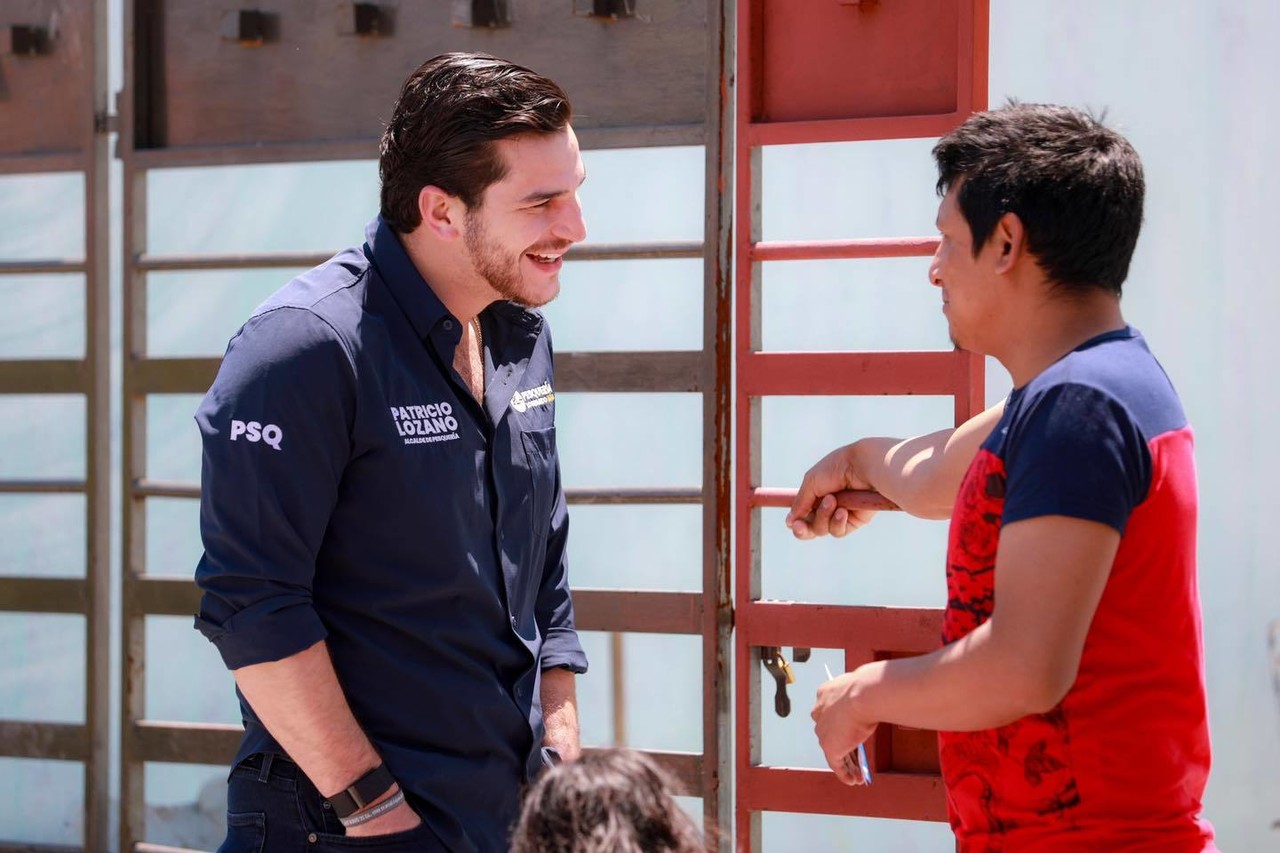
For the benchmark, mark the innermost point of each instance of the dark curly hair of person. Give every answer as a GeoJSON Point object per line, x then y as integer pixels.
{"type": "Point", "coordinates": [610, 801]}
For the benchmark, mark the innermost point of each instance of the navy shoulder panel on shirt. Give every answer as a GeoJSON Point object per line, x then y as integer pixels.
{"type": "Point", "coordinates": [1075, 440]}
{"type": "Point", "coordinates": [1121, 366]}
{"type": "Point", "coordinates": [1073, 450]}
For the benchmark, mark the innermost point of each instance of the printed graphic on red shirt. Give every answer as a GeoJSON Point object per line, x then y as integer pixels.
{"type": "Point", "coordinates": [971, 552]}
{"type": "Point", "coordinates": [999, 778]}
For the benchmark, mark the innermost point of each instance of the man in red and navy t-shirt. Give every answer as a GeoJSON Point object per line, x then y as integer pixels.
{"type": "Point", "coordinates": [1069, 693]}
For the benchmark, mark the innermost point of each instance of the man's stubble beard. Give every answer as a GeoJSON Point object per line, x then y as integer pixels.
{"type": "Point", "coordinates": [489, 262]}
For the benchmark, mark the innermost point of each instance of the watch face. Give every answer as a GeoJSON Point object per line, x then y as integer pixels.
{"type": "Point", "coordinates": [363, 791]}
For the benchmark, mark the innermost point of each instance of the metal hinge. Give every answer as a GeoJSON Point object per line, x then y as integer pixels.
{"type": "Point", "coordinates": [105, 122]}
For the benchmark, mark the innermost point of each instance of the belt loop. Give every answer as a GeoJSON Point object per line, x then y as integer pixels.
{"type": "Point", "coordinates": [265, 773]}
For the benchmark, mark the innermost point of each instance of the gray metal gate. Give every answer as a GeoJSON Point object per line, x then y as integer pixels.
{"type": "Point", "coordinates": [297, 81]}
{"type": "Point", "coordinates": [55, 68]}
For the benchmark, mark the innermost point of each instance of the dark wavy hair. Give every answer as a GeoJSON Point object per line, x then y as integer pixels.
{"type": "Point", "coordinates": [611, 801]}
{"type": "Point", "coordinates": [1076, 185]}
{"type": "Point", "coordinates": [449, 113]}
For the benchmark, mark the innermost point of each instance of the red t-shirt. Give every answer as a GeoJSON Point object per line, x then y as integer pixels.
{"type": "Point", "coordinates": [1121, 763]}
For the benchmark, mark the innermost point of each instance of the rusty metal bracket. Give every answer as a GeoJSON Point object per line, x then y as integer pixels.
{"type": "Point", "coordinates": [614, 9]}
{"type": "Point", "coordinates": [481, 13]}
{"type": "Point", "coordinates": [28, 40]}
{"type": "Point", "coordinates": [367, 20]}
{"type": "Point", "coordinates": [250, 27]}
{"type": "Point", "coordinates": [104, 122]}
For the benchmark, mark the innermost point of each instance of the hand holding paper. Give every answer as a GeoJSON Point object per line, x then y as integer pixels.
{"type": "Point", "coordinates": [855, 762]}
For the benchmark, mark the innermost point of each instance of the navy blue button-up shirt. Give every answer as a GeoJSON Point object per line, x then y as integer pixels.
{"type": "Point", "coordinates": [354, 491]}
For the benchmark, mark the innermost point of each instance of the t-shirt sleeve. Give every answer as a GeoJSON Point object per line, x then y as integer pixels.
{"type": "Point", "coordinates": [1076, 451]}
{"type": "Point", "coordinates": [275, 429]}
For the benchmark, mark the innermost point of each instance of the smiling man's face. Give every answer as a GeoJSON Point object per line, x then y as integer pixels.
{"type": "Point", "coordinates": [517, 236]}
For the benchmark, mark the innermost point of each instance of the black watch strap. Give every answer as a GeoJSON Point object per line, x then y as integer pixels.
{"type": "Point", "coordinates": [363, 791]}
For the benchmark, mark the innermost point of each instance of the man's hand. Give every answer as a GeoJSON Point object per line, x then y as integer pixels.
{"type": "Point", "coordinates": [840, 722]}
{"type": "Point", "coordinates": [814, 511]}
{"type": "Point", "coordinates": [400, 819]}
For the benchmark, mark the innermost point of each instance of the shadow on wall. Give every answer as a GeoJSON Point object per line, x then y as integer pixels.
{"type": "Point", "coordinates": [1273, 642]}
{"type": "Point", "coordinates": [196, 826]}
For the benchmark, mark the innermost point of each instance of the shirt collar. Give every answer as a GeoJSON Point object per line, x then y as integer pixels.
{"type": "Point", "coordinates": [1124, 334]}
{"type": "Point", "coordinates": [410, 291]}
{"type": "Point", "coordinates": [414, 296]}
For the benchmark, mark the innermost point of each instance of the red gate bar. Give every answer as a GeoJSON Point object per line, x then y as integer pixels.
{"type": "Point", "coordinates": [762, 374]}
{"type": "Point", "coordinates": [830, 626]}
{"type": "Point", "coordinates": [900, 796]}
{"type": "Point", "coordinates": [830, 250]}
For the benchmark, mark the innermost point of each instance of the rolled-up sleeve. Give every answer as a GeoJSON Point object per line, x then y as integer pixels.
{"type": "Point", "coordinates": [560, 646]}
{"type": "Point", "coordinates": [276, 429]}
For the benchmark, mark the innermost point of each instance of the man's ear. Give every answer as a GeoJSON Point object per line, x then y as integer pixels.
{"type": "Point", "coordinates": [441, 212]}
{"type": "Point", "coordinates": [1010, 241]}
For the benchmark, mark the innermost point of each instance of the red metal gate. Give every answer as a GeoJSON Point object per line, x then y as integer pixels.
{"type": "Point", "coordinates": [837, 70]}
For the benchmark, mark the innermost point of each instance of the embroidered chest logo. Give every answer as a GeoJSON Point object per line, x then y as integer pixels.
{"type": "Point", "coordinates": [524, 400]}
{"type": "Point", "coordinates": [426, 424]}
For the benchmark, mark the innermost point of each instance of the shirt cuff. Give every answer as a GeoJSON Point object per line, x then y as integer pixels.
{"type": "Point", "coordinates": [561, 648]}
{"type": "Point", "coordinates": [264, 632]}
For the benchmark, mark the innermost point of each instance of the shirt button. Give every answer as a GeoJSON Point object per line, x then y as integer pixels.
{"type": "Point", "coordinates": [448, 325]}
{"type": "Point", "coordinates": [324, 804]}
{"type": "Point", "coordinates": [313, 838]}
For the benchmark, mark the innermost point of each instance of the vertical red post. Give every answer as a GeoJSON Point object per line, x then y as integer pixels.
{"type": "Point", "coordinates": [827, 72]}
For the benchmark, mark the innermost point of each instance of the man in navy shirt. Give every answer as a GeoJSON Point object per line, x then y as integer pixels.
{"type": "Point", "coordinates": [382, 513]}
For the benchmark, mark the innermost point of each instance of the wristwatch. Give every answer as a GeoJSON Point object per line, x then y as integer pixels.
{"type": "Point", "coordinates": [361, 792]}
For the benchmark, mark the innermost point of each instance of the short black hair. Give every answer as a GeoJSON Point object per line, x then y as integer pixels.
{"type": "Point", "coordinates": [1076, 185]}
{"type": "Point", "coordinates": [450, 112]}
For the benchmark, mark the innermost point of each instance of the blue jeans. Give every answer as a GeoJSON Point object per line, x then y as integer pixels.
{"type": "Point", "coordinates": [272, 807]}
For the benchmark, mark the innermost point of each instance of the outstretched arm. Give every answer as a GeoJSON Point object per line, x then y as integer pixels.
{"type": "Point", "coordinates": [921, 475]}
